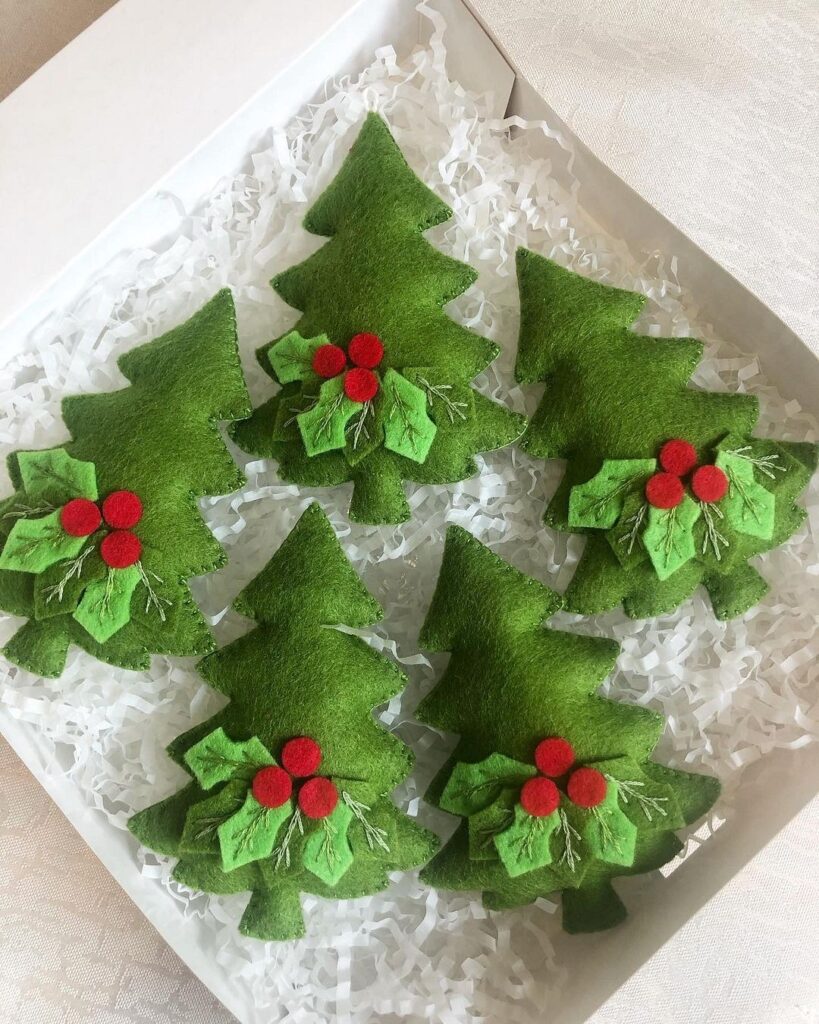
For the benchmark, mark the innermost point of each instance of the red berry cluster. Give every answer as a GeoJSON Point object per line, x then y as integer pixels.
{"type": "Point", "coordinates": [300, 757]}
{"type": "Point", "coordinates": [554, 757]}
{"type": "Point", "coordinates": [365, 352]}
{"type": "Point", "coordinates": [121, 510]}
{"type": "Point", "coordinates": [677, 459]}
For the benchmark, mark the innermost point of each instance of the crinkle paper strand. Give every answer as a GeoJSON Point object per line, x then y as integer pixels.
{"type": "Point", "coordinates": [732, 692]}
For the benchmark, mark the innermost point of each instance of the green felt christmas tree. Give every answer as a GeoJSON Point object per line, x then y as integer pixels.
{"type": "Point", "coordinates": [292, 780]}
{"type": "Point", "coordinates": [553, 782]}
{"type": "Point", "coordinates": [376, 378]}
{"type": "Point", "coordinates": [103, 533]}
{"type": "Point", "coordinates": [665, 479]}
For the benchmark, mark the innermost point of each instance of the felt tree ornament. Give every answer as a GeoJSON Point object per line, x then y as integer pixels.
{"type": "Point", "coordinates": [103, 533]}
{"type": "Point", "coordinates": [375, 377]}
{"type": "Point", "coordinates": [292, 779]}
{"type": "Point", "coordinates": [665, 480]}
{"type": "Point", "coordinates": [553, 782]}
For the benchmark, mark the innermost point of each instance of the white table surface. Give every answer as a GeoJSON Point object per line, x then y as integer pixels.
{"type": "Point", "coordinates": [709, 110]}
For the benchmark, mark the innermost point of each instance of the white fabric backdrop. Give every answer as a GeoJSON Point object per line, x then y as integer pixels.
{"type": "Point", "coordinates": [709, 110]}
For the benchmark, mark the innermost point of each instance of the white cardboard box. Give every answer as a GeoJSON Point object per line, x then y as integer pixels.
{"type": "Point", "coordinates": [169, 95]}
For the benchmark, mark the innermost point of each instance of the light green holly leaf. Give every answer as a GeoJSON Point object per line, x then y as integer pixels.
{"type": "Point", "coordinates": [250, 834]}
{"type": "Point", "coordinates": [748, 507]}
{"type": "Point", "coordinates": [471, 787]}
{"type": "Point", "coordinates": [54, 476]}
{"type": "Point", "coordinates": [216, 758]}
{"type": "Point", "coordinates": [106, 604]}
{"type": "Point", "coordinates": [486, 824]}
{"type": "Point", "coordinates": [598, 502]}
{"type": "Point", "coordinates": [408, 430]}
{"type": "Point", "coordinates": [324, 427]}
{"type": "Point", "coordinates": [669, 536]}
{"type": "Point", "coordinates": [200, 834]}
{"type": "Point", "coordinates": [327, 852]}
{"type": "Point", "coordinates": [449, 402]}
{"type": "Point", "coordinates": [526, 844]}
{"type": "Point", "coordinates": [35, 544]}
{"type": "Point", "coordinates": [609, 834]}
{"type": "Point", "coordinates": [292, 356]}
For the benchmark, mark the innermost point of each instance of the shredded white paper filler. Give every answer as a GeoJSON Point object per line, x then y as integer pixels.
{"type": "Point", "coordinates": [731, 692]}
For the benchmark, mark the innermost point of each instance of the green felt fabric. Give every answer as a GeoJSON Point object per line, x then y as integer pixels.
{"type": "Point", "coordinates": [105, 606]}
{"type": "Point", "coordinates": [323, 427]}
{"type": "Point", "coordinates": [612, 394]}
{"type": "Point", "coordinates": [378, 274]}
{"type": "Point", "coordinates": [250, 834]}
{"type": "Point", "coordinates": [217, 758]}
{"type": "Point", "coordinates": [158, 436]}
{"type": "Point", "coordinates": [293, 675]}
{"type": "Point", "coordinates": [526, 844]}
{"type": "Point", "coordinates": [749, 507]}
{"type": "Point", "coordinates": [327, 852]}
{"type": "Point", "coordinates": [600, 501]}
{"type": "Point", "coordinates": [54, 476]}
{"type": "Point", "coordinates": [408, 428]}
{"type": "Point", "coordinates": [35, 544]}
{"type": "Point", "coordinates": [510, 683]}
{"type": "Point", "coordinates": [669, 537]}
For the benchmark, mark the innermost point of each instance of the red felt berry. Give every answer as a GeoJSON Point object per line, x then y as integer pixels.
{"type": "Point", "coordinates": [709, 483]}
{"type": "Point", "coordinates": [122, 510]}
{"type": "Point", "coordinates": [120, 548]}
{"type": "Point", "coordinates": [360, 385]}
{"type": "Point", "coordinates": [80, 517]}
{"type": "Point", "coordinates": [272, 786]}
{"type": "Point", "coordinates": [539, 796]}
{"type": "Point", "coordinates": [301, 756]}
{"type": "Point", "coordinates": [366, 350]}
{"type": "Point", "coordinates": [664, 490]}
{"type": "Point", "coordinates": [318, 797]}
{"type": "Point", "coordinates": [587, 787]}
{"type": "Point", "coordinates": [329, 360]}
{"type": "Point", "coordinates": [678, 457]}
{"type": "Point", "coordinates": [554, 756]}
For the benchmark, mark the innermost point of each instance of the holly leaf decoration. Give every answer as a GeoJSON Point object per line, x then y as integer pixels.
{"type": "Point", "coordinates": [598, 502]}
{"type": "Point", "coordinates": [323, 428]}
{"type": "Point", "coordinates": [365, 431]}
{"type": "Point", "coordinates": [216, 758]}
{"type": "Point", "coordinates": [35, 544]}
{"type": "Point", "coordinates": [526, 844]}
{"type": "Point", "coordinates": [200, 834]}
{"type": "Point", "coordinates": [669, 536]}
{"type": "Point", "coordinates": [408, 430]}
{"type": "Point", "coordinates": [471, 787]}
{"type": "Point", "coordinates": [292, 356]}
{"type": "Point", "coordinates": [450, 402]}
{"type": "Point", "coordinates": [55, 477]}
{"type": "Point", "coordinates": [608, 831]}
{"type": "Point", "coordinates": [625, 537]}
{"type": "Point", "coordinates": [485, 825]}
{"type": "Point", "coordinates": [59, 588]}
{"type": "Point", "coordinates": [327, 852]}
{"type": "Point", "coordinates": [250, 833]}
{"type": "Point", "coordinates": [645, 800]}
{"type": "Point", "coordinates": [748, 507]}
{"type": "Point", "coordinates": [106, 604]}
